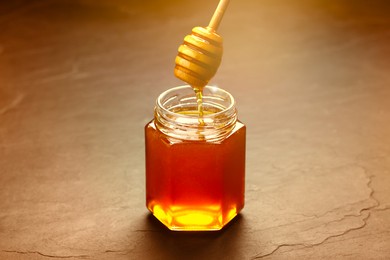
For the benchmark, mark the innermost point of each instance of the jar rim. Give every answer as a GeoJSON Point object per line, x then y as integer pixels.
{"type": "Point", "coordinates": [212, 88]}
{"type": "Point", "coordinates": [209, 127]}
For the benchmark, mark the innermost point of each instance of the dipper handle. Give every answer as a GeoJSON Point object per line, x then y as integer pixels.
{"type": "Point", "coordinates": [218, 14]}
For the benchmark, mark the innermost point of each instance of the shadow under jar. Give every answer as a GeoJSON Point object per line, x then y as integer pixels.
{"type": "Point", "coordinates": [195, 166]}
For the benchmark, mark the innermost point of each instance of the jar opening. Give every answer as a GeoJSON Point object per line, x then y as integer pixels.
{"type": "Point", "coordinates": [215, 101]}
{"type": "Point", "coordinates": [177, 115]}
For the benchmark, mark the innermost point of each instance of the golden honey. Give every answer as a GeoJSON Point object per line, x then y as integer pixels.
{"type": "Point", "coordinates": [195, 171]}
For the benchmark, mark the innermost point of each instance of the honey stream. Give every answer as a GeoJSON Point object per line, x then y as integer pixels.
{"type": "Point", "coordinates": [199, 101]}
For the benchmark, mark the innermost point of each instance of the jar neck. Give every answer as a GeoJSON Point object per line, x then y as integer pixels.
{"type": "Point", "coordinates": [177, 116]}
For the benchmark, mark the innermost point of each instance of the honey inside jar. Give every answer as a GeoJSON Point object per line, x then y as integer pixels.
{"type": "Point", "coordinates": [195, 172]}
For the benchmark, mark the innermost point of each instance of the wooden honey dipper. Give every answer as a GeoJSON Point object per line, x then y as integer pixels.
{"type": "Point", "coordinates": [200, 55]}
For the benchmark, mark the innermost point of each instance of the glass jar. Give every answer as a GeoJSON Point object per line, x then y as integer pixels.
{"type": "Point", "coordinates": [195, 166]}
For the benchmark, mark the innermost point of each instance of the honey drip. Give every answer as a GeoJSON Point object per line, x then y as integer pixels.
{"type": "Point", "coordinates": [199, 101]}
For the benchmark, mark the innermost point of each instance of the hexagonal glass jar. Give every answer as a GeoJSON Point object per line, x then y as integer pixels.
{"type": "Point", "coordinates": [195, 166]}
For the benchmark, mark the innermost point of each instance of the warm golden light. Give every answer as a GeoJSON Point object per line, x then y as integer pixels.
{"type": "Point", "coordinates": [208, 217]}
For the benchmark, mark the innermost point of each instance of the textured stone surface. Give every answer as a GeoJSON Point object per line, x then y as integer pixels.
{"type": "Point", "coordinates": [78, 80]}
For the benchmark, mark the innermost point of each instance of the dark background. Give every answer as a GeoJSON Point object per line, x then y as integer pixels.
{"type": "Point", "coordinates": [78, 81]}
